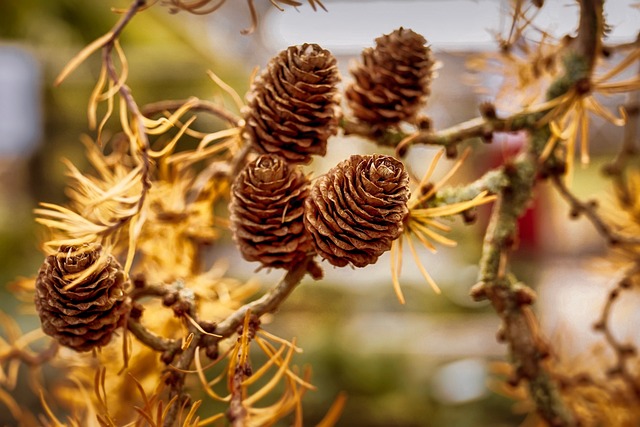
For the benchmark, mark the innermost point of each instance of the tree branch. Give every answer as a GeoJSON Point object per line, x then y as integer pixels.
{"type": "Point", "coordinates": [510, 299]}
{"type": "Point", "coordinates": [269, 302]}
{"type": "Point", "coordinates": [623, 352]}
{"type": "Point", "coordinates": [588, 209]}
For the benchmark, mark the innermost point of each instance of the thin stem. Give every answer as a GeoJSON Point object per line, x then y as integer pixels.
{"type": "Point", "coordinates": [268, 303]}
{"type": "Point", "coordinates": [479, 127]}
{"type": "Point", "coordinates": [589, 210]}
{"type": "Point", "coordinates": [623, 352]}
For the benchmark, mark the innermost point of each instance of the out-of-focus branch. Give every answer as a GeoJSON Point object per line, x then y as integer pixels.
{"type": "Point", "coordinates": [616, 168]}
{"type": "Point", "coordinates": [623, 351]}
{"type": "Point", "coordinates": [589, 210]}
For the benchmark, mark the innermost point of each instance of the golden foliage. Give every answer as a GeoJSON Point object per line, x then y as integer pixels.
{"type": "Point", "coordinates": [422, 222]}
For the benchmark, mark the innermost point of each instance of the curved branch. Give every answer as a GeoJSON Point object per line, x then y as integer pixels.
{"type": "Point", "coordinates": [269, 302]}
{"type": "Point", "coordinates": [588, 209]}
{"type": "Point", "coordinates": [150, 339]}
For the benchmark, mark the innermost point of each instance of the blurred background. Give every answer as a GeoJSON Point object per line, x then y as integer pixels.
{"type": "Point", "coordinates": [427, 363]}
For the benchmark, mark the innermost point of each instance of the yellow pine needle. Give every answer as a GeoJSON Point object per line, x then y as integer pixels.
{"type": "Point", "coordinates": [140, 389]}
{"type": "Point", "coordinates": [78, 278]}
{"type": "Point", "coordinates": [429, 172]}
{"type": "Point", "coordinates": [135, 228]}
{"type": "Point", "coordinates": [96, 158]}
{"type": "Point", "coordinates": [189, 418]}
{"type": "Point", "coordinates": [424, 197]}
{"type": "Point", "coordinates": [190, 157]}
{"type": "Point", "coordinates": [449, 174]}
{"type": "Point", "coordinates": [225, 133]}
{"type": "Point", "coordinates": [65, 218]}
{"type": "Point", "coordinates": [584, 136]}
{"type": "Point", "coordinates": [396, 266]}
{"type": "Point", "coordinates": [171, 145]}
{"type": "Point", "coordinates": [55, 244]}
{"type": "Point", "coordinates": [161, 415]}
{"type": "Point", "coordinates": [426, 231]}
{"type": "Point", "coordinates": [619, 67]}
{"type": "Point", "coordinates": [148, 418]}
{"type": "Point", "coordinates": [163, 124]}
{"type": "Point", "coordinates": [264, 368]}
{"type": "Point", "coordinates": [280, 340]}
{"type": "Point", "coordinates": [239, 354]}
{"type": "Point", "coordinates": [557, 107]}
{"type": "Point", "coordinates": [264, 391]}
{"type": "Point", "coordinates": [81, 56]}
{"type": "Point", "coordinates": [72, 225]}
{"type": "Point", "coordinates": [199, 328]}
{"type": "Point", "coordinates": [124, 73]}
{"type": "Point", "coordinates": [597, 108]}
{"type": "Point", "coordinates": [619, 87]}
{"type": "Point", "coordinates": [97, 195]}
{"type": "Point", "coordinates": [95, 95]}
{"type": "Point", "coordinates": [56, 422]}
{"type": "Point", "coordinates": [206, 385]}
{"type": "Point", "coordinates": [426, 275]}
{"type": "Point", "coordinates": [210, 420]}
{"type": "Point", "coordinates": [11, 404]}
{"type": "Point", "coordinates": [556, 133]}
{"type": "Point", "coordinates": [270, 351]}
{"type": "Point", "coordinates": [105, 118]}
{"type": "Point", "coordinates": [228, 89]}
{"type": "Point", "coordinates": [126, 128]}
{"type": "Point", "coordinates": [99, 389]}
{"type": "Point", "coordinates": [453, 208]}
{"type": "Point", "coordinates": [186, 342]}
{"type": "Point", "coordinates": [425, 242]}
{"type": "Point", "coordinates": [335, 411]}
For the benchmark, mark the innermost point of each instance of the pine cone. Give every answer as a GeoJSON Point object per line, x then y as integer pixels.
{"type": "Point", "coordinates": [293, 106]}
{"type": "Point", "coordinates": [356, 210]}
{"type": "Point", "coordinates": [86, 315]}
{"type": "Point", "coordinates": [267, 210]}
{"type": "Point", "coordinates": [392, 82]}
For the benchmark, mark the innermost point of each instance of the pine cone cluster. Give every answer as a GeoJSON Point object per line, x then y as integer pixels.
{"type": "Point", "coordinates": [83, 316]}
{"type": "Point", "coordinates": [267, 210]}
{"type": "Point", "coordinates": [357, 209]}
{"type": "Point", "coordinates": [392, 82]}
{"type": "Point", "coordinates": [293, 106]}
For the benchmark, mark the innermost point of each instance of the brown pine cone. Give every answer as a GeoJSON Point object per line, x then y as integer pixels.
{"type": "Point", "coordinates": [267, 210]}
{"type": "Point", "coordinates": [86, 315]}
{"type": "Point", "coordinates": [392, 82]}
{"type": "Point", "coordinates": [293, 107]}
{"type": "Point", "coordinates": [357, 209]}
